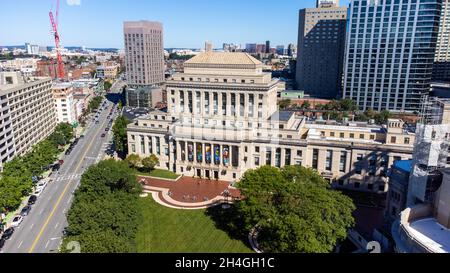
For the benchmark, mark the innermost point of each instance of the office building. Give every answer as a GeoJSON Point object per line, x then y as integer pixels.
{"type": "Point", "coordinates": [28, 114]}
{"type": "Point", "coordinates": [250, 48]}
{"type": "Point", "coordinates": [321, 46]}
{"type": "Point", "coordinates": [390, 53]}
{"type": "Point", "coordinates": [267, 47]}
{"type": "Point", "coordinates": [292, 50]}
{"type": "Point", "coordinates": [32, 49]}
{"type": "Point", "coordinates": [144, 53]}
{"type": "Point", "coordinates": [441, 68]}
{"type": "Point", "coordinates": [222, 120]}
{"type": "Point", "coordinates": [280, 50]}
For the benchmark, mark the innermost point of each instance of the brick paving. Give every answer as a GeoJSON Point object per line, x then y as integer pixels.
{"type": "Point", "coordinates": [192, 190]}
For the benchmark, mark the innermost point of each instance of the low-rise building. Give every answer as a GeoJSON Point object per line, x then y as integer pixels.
{"type": "Point", "coordinates": [222, 120]}
{"type": "Point", "coordinates": [108, 71]}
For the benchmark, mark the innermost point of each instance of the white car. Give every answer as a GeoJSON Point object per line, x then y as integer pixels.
{"type": "Point", "coordinates": [38, 192]}
{"type": "Point", "coordinates": [42, 184]}
{"type": "Point", "coordinates": [17, 220]}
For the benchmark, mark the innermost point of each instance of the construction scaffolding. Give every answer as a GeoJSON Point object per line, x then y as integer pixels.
{"type": "Point", "coordinates": [431, 151]}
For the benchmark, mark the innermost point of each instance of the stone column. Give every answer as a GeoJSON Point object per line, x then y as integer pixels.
{"type": "Point", "coordinates": [186, 102]}
{"type": "Point", "coordinates": [219, 102]}
{"type": "Point", "coordinates": [283, 157]}
{"type": "Point", "coordinates": [211, 103]}
{"type": "Point", "coordinates": [238, 104]}
{"type": "Point", "coordinates": [246, 105]}
{"type": "Point", "coordinates": [228, 102]}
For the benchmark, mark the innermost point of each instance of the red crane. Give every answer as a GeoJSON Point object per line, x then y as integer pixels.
{"type": "Point", "coordinates": [54, 22]}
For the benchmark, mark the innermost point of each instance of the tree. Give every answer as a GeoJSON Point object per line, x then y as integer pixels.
{"type": "Point", "coordinates": [12, 189]}
{"type": "Point", "coordinates": [348, 105]}
{"type": "Point", "coordinates": [284, 104]}
{"type": "Point", "coordinates": [150, 162]}
{"type": "Point", "coordinates": [382, 117]}
{"type": "Point", "coordinates": [306, 105]}
{"type": "Point", "coordinates": [107, 85]}
{"type": "Point", "coordinates": [295, 209]}
{"type": "Point", "coordinates": [120, 134]}
{"type": "Point", "coordinates": [94, 104]}
{"type": "Point", "coordinates": [105, 214]}
{"type": "Point", "coordinates": [134, 161]}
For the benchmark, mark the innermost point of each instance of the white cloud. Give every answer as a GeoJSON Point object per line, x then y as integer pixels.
{"type": "Point", "coordinates": [73, 2]}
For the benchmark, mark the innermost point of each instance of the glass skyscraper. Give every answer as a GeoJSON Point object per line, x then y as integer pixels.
{"type": "Point", "coordinates": [390, 52]}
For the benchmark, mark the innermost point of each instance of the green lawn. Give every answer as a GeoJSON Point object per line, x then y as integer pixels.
{"type": "Point", "coordinates": [166, 230]}
{"type": "Point", "coordinates": [160, 173]}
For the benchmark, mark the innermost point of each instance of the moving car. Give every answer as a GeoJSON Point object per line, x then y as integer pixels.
{"type": "Point", "coordinates": [17, 220]}
{"type": "Point", "coordinates": [26, 210]}
{"type": "Point", "coordinates": [103, 135]}
{"type": "Point", "coordinates": [2, 243]}
{"type": "Point", "coordinates": [32, 200]}
{"type": "Point", "coordinates": [8, 233]}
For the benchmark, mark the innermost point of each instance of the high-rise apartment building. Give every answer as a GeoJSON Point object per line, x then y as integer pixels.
{"type": "Point", "coordinates": [390, 53]}
{"type": "Point", "coordinates": [27, 113]}
{"type": "Point", "coordinates": [144, 53]}
{"type": "Point", "coordinates": [321, 44]}
{"type": "Point", "coordinates": [441, 68]}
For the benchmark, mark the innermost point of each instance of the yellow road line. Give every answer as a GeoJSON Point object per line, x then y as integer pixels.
{"type": "Point", "coordinates": [62, 195]}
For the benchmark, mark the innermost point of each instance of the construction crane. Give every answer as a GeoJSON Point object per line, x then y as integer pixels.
{"type": "Point", "coordinates": [54, 22]}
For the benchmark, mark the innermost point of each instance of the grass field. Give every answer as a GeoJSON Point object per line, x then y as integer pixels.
{"type": "Point", "coordinates": [160, 174]}
{"type": "Point", "coordinates": [166, 230]}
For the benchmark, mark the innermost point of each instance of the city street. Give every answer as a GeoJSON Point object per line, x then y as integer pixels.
{"type": "Point", "coordinates": [42, 230]}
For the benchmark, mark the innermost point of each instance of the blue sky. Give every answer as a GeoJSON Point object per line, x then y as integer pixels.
{"type": "Point", "coordinates": [187, 23]}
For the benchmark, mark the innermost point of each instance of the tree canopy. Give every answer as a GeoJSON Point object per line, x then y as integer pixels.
{"type": "Point", "coordinates": [105, 214]}
{"type": "Point", "coordinates": [16, 178]}
{"type": "Point", "coordinates": [120, 134]}
{"type": "Point", "coordinates": [295, 209]}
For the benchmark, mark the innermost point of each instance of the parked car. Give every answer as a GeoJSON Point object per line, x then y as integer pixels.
{"type": "Point", "coordinates": [32, 200]}
{"type": "Point", "coordinates": [26, 210]}
{"type": "Point", "coordinates": [2, 243]}
{"type": "Point", "coordinates": [42, 184]}
{"type": "Point", "coordinates": [38, 192]}
{"type": "Point", "coordinates": [103, 135]}
{"type": "Point", "coordinates": [106, 129]}
{"type": "Point", "coordinates": [17, 220]}
{"type": "Point", "coordinates": [8, 233]}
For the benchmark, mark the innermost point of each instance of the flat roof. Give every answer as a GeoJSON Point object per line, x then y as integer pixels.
{"type": "Point", "coordinates": [282, 115]}
{"type": "Point", "coordinates": [431, 234]}
{"type": "Point", "coordinates": [404, 165]}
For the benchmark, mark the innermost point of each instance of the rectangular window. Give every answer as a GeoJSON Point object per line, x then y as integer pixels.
{"type": "Point", "coordinates": [268, 156]}
{"type": "Point", "coordinates": [315, 159]}
{"type": "Point", "coordinates": [343, 162]}
{"type": "Point", "coordinates": [329, 160]}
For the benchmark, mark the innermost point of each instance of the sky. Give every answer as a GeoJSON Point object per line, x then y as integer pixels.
{"type": "Point", "coordinates": [187, 23]}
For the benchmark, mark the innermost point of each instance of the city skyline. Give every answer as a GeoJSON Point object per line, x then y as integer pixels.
{"type": "Point", "coordinates": [81, 20]}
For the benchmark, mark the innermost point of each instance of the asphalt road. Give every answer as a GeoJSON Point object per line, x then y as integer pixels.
{"type": "Point", "coordinates": [42, 230]}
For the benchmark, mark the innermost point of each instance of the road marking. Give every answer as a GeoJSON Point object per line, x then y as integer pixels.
{"type": "Point", "coordinates": [31, 227]}
{"type": "Point", "coordinates": [42, 211]}
{"type": "Point", "coordinates": [56, 226]}
{"type": "Point", "coordinates": [46, 245]}
{"type": "Point", "coordinates": [20, 244]}
{"type": "Point", "coordinates": [55, 238]}
{"type": "Point", "coordinates": [62, 194]}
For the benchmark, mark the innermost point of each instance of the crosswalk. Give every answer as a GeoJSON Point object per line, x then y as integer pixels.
{"type": "Point", "coordinates": [67, 177]}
